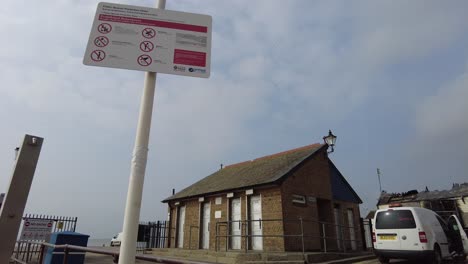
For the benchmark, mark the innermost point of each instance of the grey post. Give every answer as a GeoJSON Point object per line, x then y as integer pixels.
{"type": "Point", "coordinates": [13, 206]}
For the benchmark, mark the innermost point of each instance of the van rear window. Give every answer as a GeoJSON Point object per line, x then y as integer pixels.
{"type": "Point", "coordinates": [395, 219]}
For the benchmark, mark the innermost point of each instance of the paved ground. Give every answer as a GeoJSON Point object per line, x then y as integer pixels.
{"type": "Point", "coordinates": [375, 261]}
{"type": "Point", "coordinates": [92, 258]}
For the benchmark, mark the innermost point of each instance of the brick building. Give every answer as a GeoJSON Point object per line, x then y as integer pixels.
{"type": "Point", "coordinates": [287, 201]}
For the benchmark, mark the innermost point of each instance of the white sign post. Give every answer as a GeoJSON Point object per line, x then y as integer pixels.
{"type": "Point", "coordinates": [36, 229]}
{"type": "Point", "coordinates": [151, 40]}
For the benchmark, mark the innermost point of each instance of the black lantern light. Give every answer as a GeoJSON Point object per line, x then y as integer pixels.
{"type": "Point", "coordinates": [330, 140]}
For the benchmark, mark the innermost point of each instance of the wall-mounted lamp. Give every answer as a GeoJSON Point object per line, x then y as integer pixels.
{"type": "Point", "coordinates": [330, 140]}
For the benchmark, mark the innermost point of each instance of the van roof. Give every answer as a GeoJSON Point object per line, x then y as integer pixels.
{"type": "Point", "coordinates": [405, 208]}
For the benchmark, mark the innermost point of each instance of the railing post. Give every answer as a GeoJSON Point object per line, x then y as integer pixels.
{"type": "Point", "coordinates": [343, 239]}
{"type": "Point", "coordinates": [302, 235]}
{"type": "Point", "coordinates": [216, 237]}
{"type": "Point", "coordinates": [65, 256]}
{"type": "Point", "coordinates": [41, 254]}
{"type": "Point", "coordinates": [324, 238]}
{"type": "Point", "coordinates": [18, 249]}
{"type": "Point", "coordinates": [28, 248]}
{"type": "Point", "coordinates": [247, 236]}
{"type": "Point", "coordinates": [190, 238]}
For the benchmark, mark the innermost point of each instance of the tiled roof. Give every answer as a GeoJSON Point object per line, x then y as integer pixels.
{"type": "Point", "coordinates": [458, 190]}
{"type": "Point", "coordinates": [251, 173]}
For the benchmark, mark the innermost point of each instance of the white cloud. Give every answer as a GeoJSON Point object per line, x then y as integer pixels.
{"type": "Point", "coordinates": [442, 117]}
{"type": "Point", "coordinates": [389, 32]}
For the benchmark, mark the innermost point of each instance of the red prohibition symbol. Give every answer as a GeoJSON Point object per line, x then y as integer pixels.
{"type": "Point", "coordinates": [146, 46]}
{"type": "Point", "coordinates": [148, 33]}
{"type": "Point", "coordinates": [144, 60]}
{"type": "Point", "coordinates": [104, 28]}
{"type": "Point", "coordinates": [98, 55]}
{"type": "Point", "coordinates": [101, 41]}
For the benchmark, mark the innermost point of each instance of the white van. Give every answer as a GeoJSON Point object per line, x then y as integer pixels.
{"type": "Point", "coordinates": [416, 233]}
{"type": "Point", "coordinates": [116, 240]}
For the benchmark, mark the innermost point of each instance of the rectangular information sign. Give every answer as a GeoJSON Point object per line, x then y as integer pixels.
{"type": "Point", "coordinates": [150, 39]}
{"type": "Point", "coordinates": [36, 229]}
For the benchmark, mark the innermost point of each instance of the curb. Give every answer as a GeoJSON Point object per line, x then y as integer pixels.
{"type": "Point", "coordinates": [350, 260]}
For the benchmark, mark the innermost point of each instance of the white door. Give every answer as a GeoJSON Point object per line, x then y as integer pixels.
{"type": "Point", "coordinates": [180, 227]}
{"type": "Point", "coordinates": [256, 226]}
{"type": "Point", "coordinates": [206, 226]}
{"type": "Point", "coordinates": [336, 211]}
{"type": "Point", "coordinates": [352, 231]}
{"type": "Point", "coordinates": [235, 223]}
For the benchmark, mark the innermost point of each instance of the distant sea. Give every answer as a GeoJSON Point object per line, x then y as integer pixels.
{"type": "Point", "coordinates": [98, 242]}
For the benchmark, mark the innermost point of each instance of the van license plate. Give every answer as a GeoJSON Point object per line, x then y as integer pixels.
{"type": "Point", "coordinates": [388, 237]}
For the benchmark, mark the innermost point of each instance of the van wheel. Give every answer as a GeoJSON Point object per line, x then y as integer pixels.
{"type": "Point", "coordinates": [437, 257]}
{"type": "Point", "coordinates": [384, 260]}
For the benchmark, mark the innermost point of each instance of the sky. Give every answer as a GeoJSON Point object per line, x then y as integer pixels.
{"type": "Point", "coordinates": [389, 78]}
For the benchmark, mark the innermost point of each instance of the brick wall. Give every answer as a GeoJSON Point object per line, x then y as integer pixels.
{"type": "Point", "coordinates": [311, 181]}
{"type": "Point", "coordinates": [271, 209]}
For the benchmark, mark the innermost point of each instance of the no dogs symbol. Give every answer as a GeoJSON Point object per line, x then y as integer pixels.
{"type": "Point", "coordinates": [104, 28]}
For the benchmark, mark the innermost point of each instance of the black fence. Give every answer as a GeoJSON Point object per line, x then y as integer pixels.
{"type": "Point", "coordinates": [25, 251]}
{"type": "Point", "coordinates": [154, 234]}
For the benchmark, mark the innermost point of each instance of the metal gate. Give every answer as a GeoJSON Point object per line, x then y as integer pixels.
{"type": "Point", "coordinates": [154, 234]}
{"type": "Point", "coordinates": [25, 251]}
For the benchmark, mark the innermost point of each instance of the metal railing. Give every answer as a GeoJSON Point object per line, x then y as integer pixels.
{"type": "Point", "coordinates": [68, 249]}
{"type": "Point", "coordinates": [308, 232]}
{"type": "Point", "coordinates": [25, 251]}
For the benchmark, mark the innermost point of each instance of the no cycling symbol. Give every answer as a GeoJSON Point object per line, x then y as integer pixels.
{"type": "Point", "coordinates": [98, 55]}
{"type": "Point", "coordinates": [104, 28]}
{"type": "Point", "coordinates": [146, 46]}
{"type": "Point", "coordinates": [144, 60]}
{"type": "Point", "coordinates": [101, 41]}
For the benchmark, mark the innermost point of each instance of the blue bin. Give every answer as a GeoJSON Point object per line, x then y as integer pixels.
{"type": "Point", "coordinates": [55, 256]}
